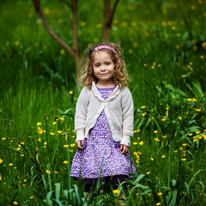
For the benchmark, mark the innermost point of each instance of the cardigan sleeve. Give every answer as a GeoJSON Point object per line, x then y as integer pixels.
{"type": "Point", "coordinates": [127, 116]}
{"type": "Point", "coordinates": [81, 113]}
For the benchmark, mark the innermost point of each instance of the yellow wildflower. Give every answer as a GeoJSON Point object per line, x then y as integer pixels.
{"type": "Point", "coordinates": [48, 172]}
{"type": "Point", "coordinates": [158, 203]}
{"type": "Point", "coordinates": [65, 162]}
{"type": "Point", "coordinates": [143, 107]}
{"type": "Point", "coordinates": [18, 149]}
{"type": "Point", "coordinates": [15, 202]}
{"type": "Point", "coordinates": [31, 197]}
{"type": "Point", "coordinates": [183, 159]}
{"type": "Point", "coordinates": [1, 161]}
{"type": "Point", "coordinates": [61, 118]}
{"type": "Point", "coordinates": [51, 133]}
{"type": "Point", "coordinates": [66, 146]}
{"type": "Point", "coordinates": [3, 138]}
{"type": "Point", "coordinates": [62, 51]}
{"type": "Point", "coordinates": [159, 193]}
{"type": "Point", "coordinates": [16, 43]}
{"type": "Point", "coordinates": [59, 132]}
{"type": "Point", "coordinates": [72, 145]}
{"type": "Point", "coordinates": [164, 136]}
{"type": "Point", "coordinates": [10, 164]}
{"type": "Point", "coordinates": [135, 143]}
{"type": "Point", "coordinates": [99, 26]}
{"type": "Point", "coordinates": [156, 139]}
{"type": "Point", "coordinates": [138, 130]}
{"type": "Point", "coordinates": [82, 23]}
{"type": "Point", "coordinates": [147, 173]}
{"type": "Point", "coordinates": [163, 156]}
{"type": "Point", "coordinates": [163, 119]}
{"type": "Point", "coordinates": [180, 118]}
{"type": "Point", "coordinates": [152, 158]}
{"type": "Point", "coordinates": [198, 110]}
{"type": "Point", "coordinates": [141, 143]}
{"type": "Point", "coordinates": [115, 191]}
{"type": "Point", "coordinates": [54, 123]}
{"type": "Point", "coordinates": [155, 132]}
{"type": "Point", "coordinates": [38, 123]}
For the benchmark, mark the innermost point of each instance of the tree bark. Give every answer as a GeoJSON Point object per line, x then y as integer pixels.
{"type": "Point", "coordinates": [108, 18]}
{"type": "Point", "coordinates": [74, 53]}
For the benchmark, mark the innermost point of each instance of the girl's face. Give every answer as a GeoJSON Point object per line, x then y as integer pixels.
{"type": "Point", "coordinates": [103, 67]}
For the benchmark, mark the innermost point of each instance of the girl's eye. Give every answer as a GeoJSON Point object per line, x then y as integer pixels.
{"type": "Point", "coordinates": [108, 63]}
{"type": "Point", "coordinates": [97, 65]}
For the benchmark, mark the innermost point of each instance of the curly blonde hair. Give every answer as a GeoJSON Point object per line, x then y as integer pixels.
{"type": "Point", "coordinates": [120, 76]}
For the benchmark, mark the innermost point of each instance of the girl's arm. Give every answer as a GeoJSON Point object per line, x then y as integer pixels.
{"type": "Point", "coordinates": [127, 116]}
{"type": "Point", "coordinates": [81, 113]}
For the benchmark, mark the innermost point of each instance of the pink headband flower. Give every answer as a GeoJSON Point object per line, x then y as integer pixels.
{"type": "Point", "coordinates": [104, 47]}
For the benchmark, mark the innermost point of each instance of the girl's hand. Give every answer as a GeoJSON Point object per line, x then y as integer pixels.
{"type": "Point", "coordinates": [124, 148]}
{"type": "Point", "coordinates": [79, 144]}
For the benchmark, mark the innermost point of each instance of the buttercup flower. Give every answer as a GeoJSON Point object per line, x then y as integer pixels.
{"type": "Point", "coordinates": [54, 123]}
{"type": "Point", "coordinates": [48, 172]}
{"type": "Point", "coordinates": [115, 191]}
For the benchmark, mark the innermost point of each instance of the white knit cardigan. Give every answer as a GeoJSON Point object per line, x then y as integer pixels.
{"type": "Point", "coordinates": [118, 108]}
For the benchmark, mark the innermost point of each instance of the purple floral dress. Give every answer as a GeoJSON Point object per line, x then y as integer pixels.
{"type": "Point", "coordinates": [101, 151]}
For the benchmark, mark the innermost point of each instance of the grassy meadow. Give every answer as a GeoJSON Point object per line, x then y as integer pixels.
{"type": "Point", "coordinates": [164, 43]}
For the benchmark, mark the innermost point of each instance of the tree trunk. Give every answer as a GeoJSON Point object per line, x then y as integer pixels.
{"type": "Point", "coordinates": [108, 17]}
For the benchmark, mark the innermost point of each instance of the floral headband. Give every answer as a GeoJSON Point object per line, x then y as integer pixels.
{"type": "Point", "coordinates": [104, 47]}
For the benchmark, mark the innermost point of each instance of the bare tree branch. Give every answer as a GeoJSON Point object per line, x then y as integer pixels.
{"type": "Point", "coordinates": [50, 31]}
{"type": "Point", "coordinates": [62, 2]}
{"type": "Point", "coordinates": [108, 17]}
{"type": "Point", "coordinates": [113, 11]}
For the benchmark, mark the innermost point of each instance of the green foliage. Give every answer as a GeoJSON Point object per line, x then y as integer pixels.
{"type": "Point", "coordinates": [165, 51]}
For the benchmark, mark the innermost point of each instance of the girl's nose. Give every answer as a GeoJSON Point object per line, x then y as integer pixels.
{"type": "Point", "coordinates": [102, 68]}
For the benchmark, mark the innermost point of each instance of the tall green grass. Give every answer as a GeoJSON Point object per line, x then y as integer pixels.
{"type": "Point", "coordinates": [166, 63]}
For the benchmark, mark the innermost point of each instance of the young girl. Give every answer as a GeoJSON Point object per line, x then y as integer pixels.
{"type": "Point", "coordinates": [103, 119]}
